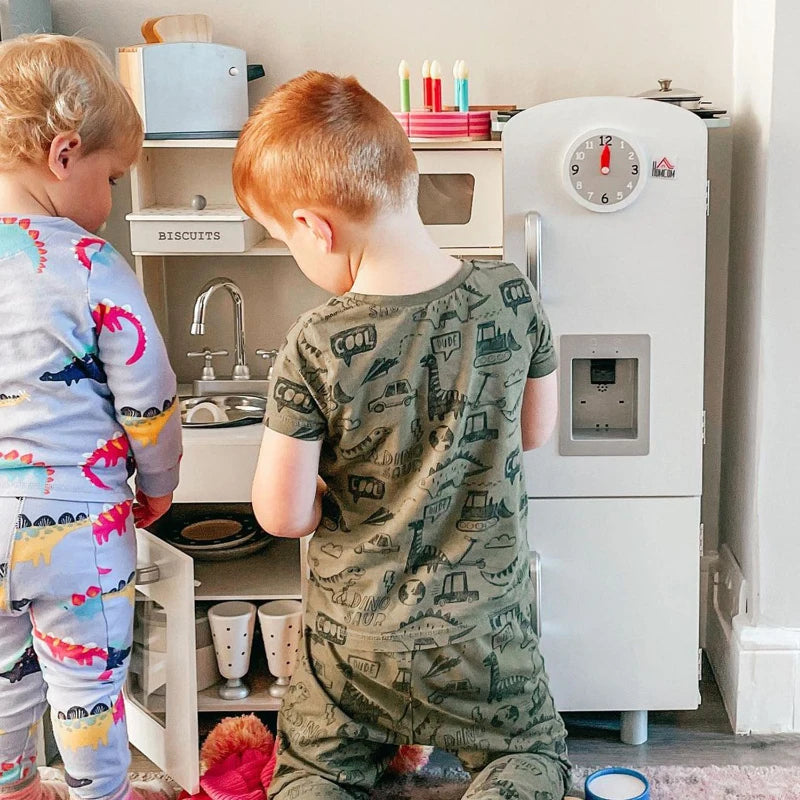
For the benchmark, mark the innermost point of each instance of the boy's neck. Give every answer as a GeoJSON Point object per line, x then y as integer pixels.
{"type": "Point", "coordinates": [23, 192]}
{"type": "Point", "coordinates": [399, 258]}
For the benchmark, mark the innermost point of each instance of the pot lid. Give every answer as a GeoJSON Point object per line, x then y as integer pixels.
{"type": "Point", "coordinates": [668, 93]}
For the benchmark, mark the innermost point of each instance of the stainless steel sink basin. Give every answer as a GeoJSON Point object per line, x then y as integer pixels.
{"type": "Point", "coordinates": [222, 410]}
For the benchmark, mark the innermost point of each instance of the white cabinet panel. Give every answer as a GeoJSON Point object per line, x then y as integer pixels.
{"type": "Point", "coordinates": [619, 601]}
{"type": "Point", "coordinates": [161, 693]}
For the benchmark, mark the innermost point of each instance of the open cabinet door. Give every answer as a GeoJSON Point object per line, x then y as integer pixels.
{"type": "Point", "coordinates": [161, 691]}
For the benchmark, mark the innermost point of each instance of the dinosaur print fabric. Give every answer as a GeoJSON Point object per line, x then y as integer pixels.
{"type": "Point", "coordinates": [86, 389]}
{"type": "Point", "coordinates": [423, 539]}
{"type": "Point", "coordinates": [489, 702]}
{"type": "Point", "coordinates": [67, 587]}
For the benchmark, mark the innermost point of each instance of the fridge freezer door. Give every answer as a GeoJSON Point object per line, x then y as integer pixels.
{"type": "Point", "coordinates": [639, 270]}
{"type": "Point", "coordinates": [619, 601]}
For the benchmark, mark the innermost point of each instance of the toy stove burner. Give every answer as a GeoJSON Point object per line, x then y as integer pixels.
{"type": "Point", "coordinates": [214, 534]}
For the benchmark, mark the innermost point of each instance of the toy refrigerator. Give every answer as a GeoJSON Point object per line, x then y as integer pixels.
{"type": "Point", "coordinates": [605, 206]}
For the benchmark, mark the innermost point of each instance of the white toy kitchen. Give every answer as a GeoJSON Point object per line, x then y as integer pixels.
{"type": "Point", "coordinates": [615, 497]}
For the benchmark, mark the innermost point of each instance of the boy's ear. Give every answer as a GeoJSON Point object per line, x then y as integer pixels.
{"type": "Point", "coordinates": [64, 150]}
{"type": "Point", "coordinates": [319, 227]}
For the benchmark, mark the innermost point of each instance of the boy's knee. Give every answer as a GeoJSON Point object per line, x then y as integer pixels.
{"type": "Point", "coordinates": [532, 776]}
{"type": "Point", "coordinates": [315, 787]}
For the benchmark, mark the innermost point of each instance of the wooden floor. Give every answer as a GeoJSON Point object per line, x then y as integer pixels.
{"type": "Point", "coordinates": [685, 738]}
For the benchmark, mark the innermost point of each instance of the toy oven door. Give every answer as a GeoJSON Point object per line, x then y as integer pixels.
{"type": "Point", "coordinates": [161, 694]}
{"type": "Point", "coordinates": [461, 197]}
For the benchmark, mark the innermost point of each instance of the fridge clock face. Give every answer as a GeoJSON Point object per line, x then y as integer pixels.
{"type": "Point", "coordinates": [603, 170]}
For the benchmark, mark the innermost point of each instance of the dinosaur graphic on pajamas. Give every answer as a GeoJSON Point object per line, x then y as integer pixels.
{"type": "Point", "coordinates": [17, 236]}
{"type": "Point", "coordinates": [20, 665]}
{"type": "Point", "coordinates": [37, 542]}
{"type": "Point", "coordinates": [112, 520]}
{"type": "Point", "coordinates": [79, 369]}
{"type": "Point", "coordinates": [84, 655]}
{"type": "Point", "coordinates": [92, 602]}
{"type": "Point", "coordinates": [146, 428]}
{"type": "Point", "coordinates": [91, 251]}
{"type": "Point", "coordinates": [108, 315]}
{"type": "Point", "coordinates": [7, 400]}
{"type": "Point", "coordinates": [90, 731]}
{"type": "Point", "coordinates": [110, 453]}
{"type": "Point", "coordinates": [25, 470]}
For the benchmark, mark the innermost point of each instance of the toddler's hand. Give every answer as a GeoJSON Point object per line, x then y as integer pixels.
{"type": "Point", "coordinates": [146, 509]}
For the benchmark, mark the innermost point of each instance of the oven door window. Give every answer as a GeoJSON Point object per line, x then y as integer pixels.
{"type": "Point", "coordinates": [446, 199]}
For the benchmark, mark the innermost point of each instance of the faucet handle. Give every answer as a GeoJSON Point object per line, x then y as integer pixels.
{"type": "Point", "coordinates": [268, 355]}
{"type": "Point", "coordinates": [208, 369]}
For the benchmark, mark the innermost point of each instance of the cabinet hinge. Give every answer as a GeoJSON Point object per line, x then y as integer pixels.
{"type": "Point", "coordinates": [702, 537]}
{"type": "Point", "coordinates": [704, 426]}
{"type": "Point", "coordinates": [708, 198]}
{"type": "Point", "coordinates": [699, 663]}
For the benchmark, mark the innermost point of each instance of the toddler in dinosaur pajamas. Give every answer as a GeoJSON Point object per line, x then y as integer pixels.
{"type": "Point", "coordinates": [412, 393]}
{"type": "Point", "coordinates": [86, 396]}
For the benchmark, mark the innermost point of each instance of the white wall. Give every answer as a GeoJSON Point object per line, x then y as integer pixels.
{"type": "Point", "coordinates": [779, 446]}
{"type": "Point", "coordinates": [754, 645]}
{"type": "Point", "coordinates": [753, 48]}
{"type": "Point", "coordinates": [761, 458]}
{"type": "Point", "coordinates": [519, 51]}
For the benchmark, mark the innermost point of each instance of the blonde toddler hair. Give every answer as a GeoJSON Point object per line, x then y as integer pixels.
{"type": "Point", "coordinates": [51, 85]}
{"type": "Point", "coordinates": [324, 140]}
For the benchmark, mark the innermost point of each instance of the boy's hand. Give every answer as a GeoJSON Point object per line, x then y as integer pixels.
{"type": "Point", "coordinates": [146, 509]}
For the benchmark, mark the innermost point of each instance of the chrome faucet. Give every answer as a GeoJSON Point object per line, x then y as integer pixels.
{"type": "Point", "coordinates": [241, 371]}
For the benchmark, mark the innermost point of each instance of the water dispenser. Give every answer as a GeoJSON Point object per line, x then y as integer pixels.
{"type": "Point", "coordinates": [605, 395]}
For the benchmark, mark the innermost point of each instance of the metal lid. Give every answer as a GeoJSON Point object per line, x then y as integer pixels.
{"type": "Point", "coordinates": [667, 93]}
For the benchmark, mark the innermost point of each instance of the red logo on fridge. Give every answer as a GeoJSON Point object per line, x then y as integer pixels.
{"type": "Point", "coordinates": [664, 168]}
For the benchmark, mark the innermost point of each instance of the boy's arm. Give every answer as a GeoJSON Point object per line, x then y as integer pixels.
{"type": "Point", "coordinates": [540, 399]}
{"type": "Point", "coordinates": [287, 494]}
{"type": "Point", "coordinates": [137, 369]}
{"type": "Point", "coordinates": [539, 411]}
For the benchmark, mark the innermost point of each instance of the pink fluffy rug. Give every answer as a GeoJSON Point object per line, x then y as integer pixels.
{"type": "Point", "coordinates": [667, 783]}
{"type": "Point", "coordinates": [718, 783]}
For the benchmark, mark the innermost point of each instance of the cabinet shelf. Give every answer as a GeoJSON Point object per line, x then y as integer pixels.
{"type": "Point", "coordinates": [207, 144]}
{"type": "Point", "coordinates": [273, 247]}
{"type": "Point", "coordinates": [272, 574]}
{"type": "Point", "coordinates": [265, 247]}
{"type": "Point", "coordinates": [259, 698]}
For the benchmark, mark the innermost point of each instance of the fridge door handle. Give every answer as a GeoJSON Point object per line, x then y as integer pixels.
{"type": "Point", "coordinates": [533, 249]}
{"type": "Point", "coordinates": [147, 573]}
{"type": "Point", "coordinates": [536, 579]}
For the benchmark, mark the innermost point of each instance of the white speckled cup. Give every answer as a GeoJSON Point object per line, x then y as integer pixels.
{"type": "Point", "coordinates": [281, 623]}
{"type": "Point", "coordinates": [232, 625]}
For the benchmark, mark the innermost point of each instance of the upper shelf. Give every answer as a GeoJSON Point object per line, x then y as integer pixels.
{"type": "Point", "coordinates": [231, 143]}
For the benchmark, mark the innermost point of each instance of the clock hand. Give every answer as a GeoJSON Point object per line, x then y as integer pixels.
{"type": "Point", "coordinates": [605, 160]}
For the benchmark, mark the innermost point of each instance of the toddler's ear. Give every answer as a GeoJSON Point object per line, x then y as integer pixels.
{"type": "Point", "coordinates": [64, 150]}
{"type": "Point", "coordinates": [319, 227]}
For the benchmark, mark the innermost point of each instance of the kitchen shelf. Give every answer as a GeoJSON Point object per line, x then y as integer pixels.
{"type": "Point", "coordinates": [259, 698]}
{"type": "Point", "coordinates": [266, 247]}
{"type": "Point", "coordinates": [273, 247]}
{"type": "Point", "coordinates": [272, 574]}
{"type": "Point", "coordinates": [231, 143]}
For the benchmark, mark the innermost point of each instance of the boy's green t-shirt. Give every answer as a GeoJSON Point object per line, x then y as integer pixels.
{"type": "Point", "coordinates": [417, 399]}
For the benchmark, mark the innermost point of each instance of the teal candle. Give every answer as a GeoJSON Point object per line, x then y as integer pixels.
{"type": "Point", "coordinates": [463, 91]}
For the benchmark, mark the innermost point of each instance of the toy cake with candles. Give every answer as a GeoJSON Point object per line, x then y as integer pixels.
{"type": "Point", "coordinates": [432, 121]}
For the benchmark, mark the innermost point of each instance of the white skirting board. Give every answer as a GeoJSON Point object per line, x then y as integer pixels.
{"type": "Point", "coordinates": [757, 667]}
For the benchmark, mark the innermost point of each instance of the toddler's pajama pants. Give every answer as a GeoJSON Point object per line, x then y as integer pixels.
{"type": "Point", "coordinates": [487, 700]}
{"type": "Point", "coordinates": [67, 584]}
